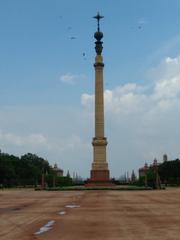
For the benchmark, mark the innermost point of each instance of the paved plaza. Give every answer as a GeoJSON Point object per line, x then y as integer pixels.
{"type": "Point", "coordinates": [112, 215]}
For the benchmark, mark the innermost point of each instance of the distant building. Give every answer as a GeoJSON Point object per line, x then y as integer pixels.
{"type": "Point", "coordinates": [133, 176]}
{"type": "Point", "coordinates": [154, 181]}
{"type": "Point", "coordinates": [143, 170]}
{"type": "Point", "coordinates": [57, 171]}
{"type": "Point", "coordinates": [165, 158]}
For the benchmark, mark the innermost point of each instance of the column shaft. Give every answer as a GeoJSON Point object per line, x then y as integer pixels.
{"type": "Point", "coordinates": [99, 102]}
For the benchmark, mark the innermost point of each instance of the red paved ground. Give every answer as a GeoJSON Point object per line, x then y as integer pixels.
{"type": "Point", "coordinates": [112, 215]}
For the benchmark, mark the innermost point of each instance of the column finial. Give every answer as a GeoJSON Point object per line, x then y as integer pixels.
{"type": "Point", "coordinates": [98, 35]}
{"type": "Point", "coordinates": [98, 17]}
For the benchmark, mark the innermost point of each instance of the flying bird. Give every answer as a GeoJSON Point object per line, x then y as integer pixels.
{"type": "Point", "coordinates": [72, 38]}
{"type": "Point", "coordinates": [84, 56]}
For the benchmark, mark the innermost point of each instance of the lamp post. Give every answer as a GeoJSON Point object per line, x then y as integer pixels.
{"type": "Point", "coordinates": [155, 166]}
{"type": "Point", "coordinates": [54, 181]}
{"type": "Point", "coordinates": [42, 180]}
{"type": "Point", "coordinates": [145, 171]}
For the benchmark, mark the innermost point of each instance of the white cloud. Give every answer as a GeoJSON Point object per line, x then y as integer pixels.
{"type": "Point", "coordinates": [141, 122]}
{"type": "Point", "coordinates": [87, 99]}
{"type": "Point", "coordinates": [124, 98]}
{"type": "Point", "coordinates": [142, 21]}
{"type": "Point", "coordinates": [167, 88]}
{"type": "Point", "coordinates": [32, 139]}
{"type": "Point", "coordinates": [170, 60]}
{"type": "Point", "coordinates": [69, 143]}
{"type": "Point", "coordinates": [168, 78]}
{"type": "Point", "coordinates": [71, 79]}
{"type": "Point", "coordinates": [131, 97]}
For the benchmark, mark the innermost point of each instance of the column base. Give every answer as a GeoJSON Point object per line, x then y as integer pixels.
{"type": "Point", "coordinates": [99, 175]}
{"type": "Point", "coordinates": [99, 178]}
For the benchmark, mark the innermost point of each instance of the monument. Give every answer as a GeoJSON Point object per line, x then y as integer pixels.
{"type": "Point", "coordinates": [99, 173]}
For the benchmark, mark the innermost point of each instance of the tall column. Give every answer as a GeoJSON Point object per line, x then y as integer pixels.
{"type": "Point", "coordinates": [99, 172]}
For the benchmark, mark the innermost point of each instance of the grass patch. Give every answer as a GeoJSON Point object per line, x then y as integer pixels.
{"type": "Point", "coordinates": [83, 188]}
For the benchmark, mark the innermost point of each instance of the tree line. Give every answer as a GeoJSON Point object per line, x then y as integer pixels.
{"type": "Point", "coordinates": [169, 172]}
{"type": "Point", "coordinates": [27, 170]}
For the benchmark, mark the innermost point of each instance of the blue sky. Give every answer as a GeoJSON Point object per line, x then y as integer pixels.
{"type": "Point", "coordinates": [44, 76]}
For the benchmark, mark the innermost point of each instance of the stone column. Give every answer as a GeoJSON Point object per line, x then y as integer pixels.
{"type": "Point", "coordinates": [99, 172]}
{"type": "Point", "coordinates": [99, 165]}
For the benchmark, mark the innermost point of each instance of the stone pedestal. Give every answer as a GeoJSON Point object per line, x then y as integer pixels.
{"type": "Point", "coordinates": [100, 175]}
{"type": "Point", "coordinates": [99, 178]}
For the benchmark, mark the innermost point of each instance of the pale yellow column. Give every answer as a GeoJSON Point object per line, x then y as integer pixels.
{"type": "Point", "coordinates": [99, 141]}
{"type": "Point", "coordinates": [99, 98]}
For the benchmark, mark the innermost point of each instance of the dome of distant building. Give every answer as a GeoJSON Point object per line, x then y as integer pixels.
{"type": "Point", "coordinates": [57, 171]}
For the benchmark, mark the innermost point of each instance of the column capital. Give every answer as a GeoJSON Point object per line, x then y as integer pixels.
{"type": "Point", "coordinates": [98, 64]}
{"type": "Point", "coordinates": [99, 141]}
